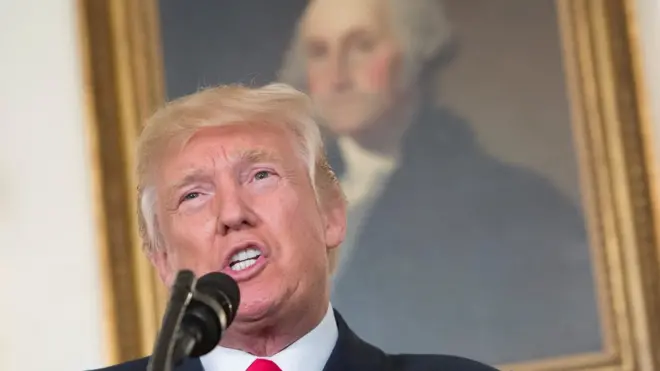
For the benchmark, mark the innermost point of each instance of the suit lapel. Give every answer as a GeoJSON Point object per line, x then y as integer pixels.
{"type": "Point", "coordinates": [190, 364]}
{"type": "Point", "coordinates": [352, 353]}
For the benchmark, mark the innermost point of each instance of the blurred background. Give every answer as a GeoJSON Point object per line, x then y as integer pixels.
{"type": "Point", "coordinates": [497, 82]}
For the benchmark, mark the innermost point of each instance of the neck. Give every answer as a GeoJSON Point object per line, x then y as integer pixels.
{"type": "Point", "coordinates": [265, 338]}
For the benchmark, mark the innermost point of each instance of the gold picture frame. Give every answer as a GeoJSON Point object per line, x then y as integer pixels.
{"type": "Point", "coordinates": [124, 83]}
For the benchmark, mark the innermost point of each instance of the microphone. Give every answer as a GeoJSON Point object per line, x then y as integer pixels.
{"type": "Point", "coordinates": [196, 316]}
{"type": "Point", "coordinates": [211, 310]}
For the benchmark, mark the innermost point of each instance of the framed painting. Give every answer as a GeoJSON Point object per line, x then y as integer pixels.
{"type": "Point", "coordinates": [494, 155]}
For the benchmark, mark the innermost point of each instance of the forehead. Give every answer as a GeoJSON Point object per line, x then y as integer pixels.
{"type": "Point", "coordinates": [233, 143]}
{"type": "Point", "coordinates": [328, 18]}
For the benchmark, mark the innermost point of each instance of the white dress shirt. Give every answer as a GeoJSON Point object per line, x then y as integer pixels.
{"type": "Point", "coordinates": [309, 353]}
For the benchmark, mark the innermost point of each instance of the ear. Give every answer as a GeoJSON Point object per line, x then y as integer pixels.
{"type": "Point", "coordinates": [159, 259]}
{"type": "Point", "coordinates": [335, 222]}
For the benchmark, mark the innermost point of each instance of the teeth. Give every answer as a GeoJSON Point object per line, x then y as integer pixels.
{"type": "Point", "coordinates": [244, 259]}
{"type": "Point", "coordinates": [243, 264]}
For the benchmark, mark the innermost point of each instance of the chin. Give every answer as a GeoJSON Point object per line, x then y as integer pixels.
{"type": "Point", "coordinates": [255, 309]}
{"type": "Point", "coordinates": [351, 124]}
{"type": "Point", "coordinates": [347, 126]}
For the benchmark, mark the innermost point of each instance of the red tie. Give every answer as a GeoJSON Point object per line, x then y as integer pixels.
{"type": "Point", "coordinates": [263, 365]}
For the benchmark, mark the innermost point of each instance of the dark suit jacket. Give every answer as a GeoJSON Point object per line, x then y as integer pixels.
{"type": "Point", "coordinates": [352, 354]}
{"type": "Point", "coordinates": [468, 255]}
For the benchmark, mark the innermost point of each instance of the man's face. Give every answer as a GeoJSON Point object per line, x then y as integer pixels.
{"type": "Point", "coordinates": [353, 61]}
{"type": "Point", "coordinates": [238, 199]}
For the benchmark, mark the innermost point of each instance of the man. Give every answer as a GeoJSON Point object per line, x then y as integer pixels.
{"type": "Point", "coordinates": [235, 180]}
{"type": "Point", "coordinates": [498, 257]}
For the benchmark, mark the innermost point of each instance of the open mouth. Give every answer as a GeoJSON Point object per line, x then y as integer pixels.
{"type": "Point", "coordinates": [244, 259]}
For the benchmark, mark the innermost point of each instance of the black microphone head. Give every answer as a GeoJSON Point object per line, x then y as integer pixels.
{"type": "Point", "coordinates": [211, 311]}
{"type": "Point", "coordinates": [223, 289]}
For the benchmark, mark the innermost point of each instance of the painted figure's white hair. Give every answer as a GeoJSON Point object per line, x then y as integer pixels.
{"type": "Point", "coordinates": [174, 124]}
{"type": "Point", "coordinates": [421, 26]}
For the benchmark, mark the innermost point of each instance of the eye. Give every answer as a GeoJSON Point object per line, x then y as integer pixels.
{"type": "Point", "coordinates": [190, 196]}
{"type": "Point", "coordinates": [365, 45]}
{"type": "Point", "coordinates": [316, 50]}
{"type": "Point", "coordinates": [262, 174]}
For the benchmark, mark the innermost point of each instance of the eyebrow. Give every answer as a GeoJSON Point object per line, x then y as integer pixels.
{"type": "Point", "coordinates": [194, 175]}
{"type": "Point", "coordinates": [257, 155]}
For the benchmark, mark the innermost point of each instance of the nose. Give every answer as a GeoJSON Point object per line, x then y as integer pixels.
{"type": "Point", "coordinates": [233, 212]}
{"type": "Point", "coordinates": [338, 73]}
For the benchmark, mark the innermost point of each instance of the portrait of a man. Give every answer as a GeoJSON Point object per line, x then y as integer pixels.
{"type": "Point", "coordinates": [457, 249]}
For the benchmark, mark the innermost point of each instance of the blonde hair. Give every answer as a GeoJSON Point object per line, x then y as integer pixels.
{"type": "Point", "coordinates": [177, 121]}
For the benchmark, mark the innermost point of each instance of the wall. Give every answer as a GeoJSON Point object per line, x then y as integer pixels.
{"type": "Point", "coordinates": [648, 20]}
{"type": "Point", "coordinates": [50, 313]}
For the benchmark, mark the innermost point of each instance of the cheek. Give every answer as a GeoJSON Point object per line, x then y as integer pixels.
{"type": "Point", "coordinates": [316, 83]}
{"type": "Point", "coordinates": [379, 72]}
{"type": "Point", "coordinates": [294, 220]}
{"type": "Point", "coordinates": [190, 238]}
{"type": "Point", "coordinates": [304, 225]}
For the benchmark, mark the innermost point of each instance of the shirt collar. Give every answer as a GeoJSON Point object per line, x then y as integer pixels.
{"type": "Point", "coordinates": [309, 353]}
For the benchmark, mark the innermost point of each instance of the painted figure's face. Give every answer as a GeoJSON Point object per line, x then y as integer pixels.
{"type": "Point", "coordinates": [353, 61]}
{"type": "Point", "coordinates": [238, 199]}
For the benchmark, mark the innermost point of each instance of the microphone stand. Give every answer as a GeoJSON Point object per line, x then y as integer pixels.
{"type": "Point", "coordinates": [166, 352]}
